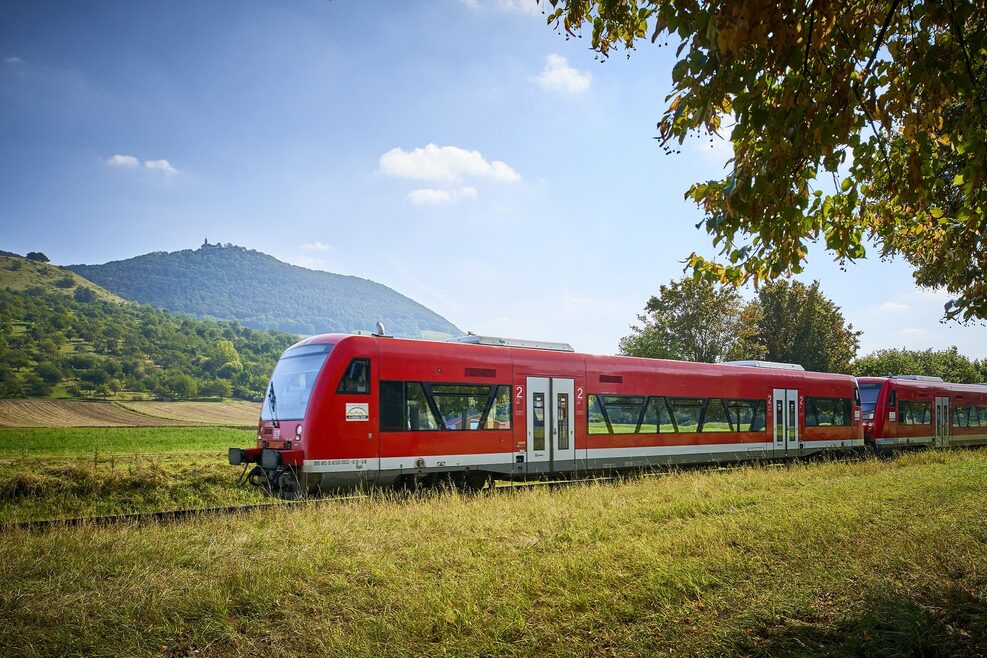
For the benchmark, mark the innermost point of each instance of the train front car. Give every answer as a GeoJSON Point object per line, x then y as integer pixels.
{"type": "Point", "coordinates": [289, 426]}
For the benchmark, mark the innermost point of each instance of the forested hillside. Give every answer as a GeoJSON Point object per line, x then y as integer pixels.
{"type": "Point", "coordinates": [63, 336]}
{"type": "Point", "coordinates": [230, 282]}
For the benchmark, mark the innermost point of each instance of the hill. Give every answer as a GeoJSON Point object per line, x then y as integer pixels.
{"type": "Point", "coordinates": [19, 274]}
{"type": "Point", "coordinates": [234, 283]}
{"type": "Point", "coordinates": [63, 336]}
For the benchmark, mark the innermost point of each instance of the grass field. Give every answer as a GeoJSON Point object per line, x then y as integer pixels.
{"type": "Point", "coordinates": [72, 472]}
{"type": "Point", "coordinates": [862, 558]}
{"type": "Point", "coordinates": [80, 413]}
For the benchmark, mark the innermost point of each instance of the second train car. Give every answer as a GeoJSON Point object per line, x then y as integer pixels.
{"type": "Point", "coordinates": [910, 410]}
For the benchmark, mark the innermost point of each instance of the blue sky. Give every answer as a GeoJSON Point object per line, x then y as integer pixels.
{"type": "Point", "coordinates": [458, 151]}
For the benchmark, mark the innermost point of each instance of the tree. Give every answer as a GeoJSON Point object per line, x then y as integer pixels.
{"type": "Point", "coordinates": [948, 364]}
{"type": "Point", "coordinates": [982, 370]}
{"type": "Point", "coordinates": [48, 372]}
{"type": "Point", "coordinates": [890, 96]}
{"type": "Point", "coordinates": [796, 323]}
{"type": "Point", "coordinates": [37, 257]}
{"type": "Point", "coordinates": [219, 388]}
{"type": "Point", "coordinates": [65, 282]}
{"type": "Point", "coordinates": [688, 320]}
{"type": "Point", "coordinates": [180, 386]}
{"type": "Point", "coordinates": [84, 295]}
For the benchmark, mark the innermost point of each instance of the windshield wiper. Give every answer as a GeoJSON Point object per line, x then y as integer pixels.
{"type": "Point", "coordinates": [273, 400]}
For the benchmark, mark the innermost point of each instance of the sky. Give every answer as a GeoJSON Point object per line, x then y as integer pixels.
{"type": "Point", "coordinates": [459, 151]}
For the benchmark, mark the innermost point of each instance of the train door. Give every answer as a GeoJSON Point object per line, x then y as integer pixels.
{"type": "Point", "coordinates": [785, 422]}
{"type": "Point", "coordinates": [551, 424]}
{"type": "Point", "coordinates": [942, 422]}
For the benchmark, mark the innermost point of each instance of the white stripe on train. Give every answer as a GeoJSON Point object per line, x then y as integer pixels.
{"type": "Point", "coordinates": [508, 458]}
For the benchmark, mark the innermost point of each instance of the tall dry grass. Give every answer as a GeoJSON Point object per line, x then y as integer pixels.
{"type": "Point", "coordinates": [866, 558]}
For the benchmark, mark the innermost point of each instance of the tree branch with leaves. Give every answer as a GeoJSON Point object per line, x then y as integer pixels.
{"type": "Point", "coordinates": [852, 121]}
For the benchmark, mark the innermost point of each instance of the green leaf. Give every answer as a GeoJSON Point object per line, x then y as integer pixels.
{"type": "Point", "coordinates": [958, 180]}
{"type": "Point", "coordinates": [936, 213]}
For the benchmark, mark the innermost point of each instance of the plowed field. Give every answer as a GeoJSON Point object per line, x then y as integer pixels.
{"type": "Point", "coordinates": [78, 413]}
{"type": "Point", "coordinates": [231, 413]}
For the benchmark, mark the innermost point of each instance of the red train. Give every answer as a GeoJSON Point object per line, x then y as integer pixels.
{"type": "Point", "coordinates": [910, 410]}
{"type": "Point", "coordinates": [346, 410]}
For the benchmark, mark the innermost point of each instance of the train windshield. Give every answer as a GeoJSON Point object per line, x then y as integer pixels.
{"type": "Point", "coordinates": [286, 397]}
{"type": "Point", "coordinates": [868, 399]}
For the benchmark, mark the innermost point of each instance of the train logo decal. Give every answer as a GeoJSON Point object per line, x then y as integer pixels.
{"type": "Point", "coordinates": [357, 411]}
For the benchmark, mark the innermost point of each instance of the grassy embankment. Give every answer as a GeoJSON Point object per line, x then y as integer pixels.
{"type": "Point", "coordinates": [860, 558]}
{"type": "Point", "coordinates": [69, 472]}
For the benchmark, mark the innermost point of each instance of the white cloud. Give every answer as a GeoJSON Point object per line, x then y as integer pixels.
{"type": "Point", "coordinates": [13, 60]}
{"type": "Point", "coordinates": [514, 6]}
{"type": "Point", "coordinates": [915, 332]}
{"type": "Point", "coordinates": [444, 163]}
{"type": "Point", "coordinates": [559, 76]}
{"type": "Point", "coordinates": [892, 307]}
{"type": "Point", "coordinates": [126, 161]}
{"type": "Point", "coordinates": [130, 162]}
{"type": "Point", "coordinates": [428, 196]}
{"type": "Point", "coordinates": [316, 246]}
{"type": "Point", "coordinates": [161, 165]}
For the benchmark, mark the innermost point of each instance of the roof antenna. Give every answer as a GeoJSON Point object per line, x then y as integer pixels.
{"type": "Point", "coordinates": [380, 329]}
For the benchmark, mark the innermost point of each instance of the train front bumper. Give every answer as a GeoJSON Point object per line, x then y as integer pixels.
{"type": "Point", "coordinates": [266, 457]}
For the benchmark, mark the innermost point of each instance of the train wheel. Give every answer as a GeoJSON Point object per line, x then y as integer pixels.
{"type": "Point", "coordinates": [473, 482]}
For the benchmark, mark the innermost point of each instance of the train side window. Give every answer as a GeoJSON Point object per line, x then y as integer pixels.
{"type": "Point", "coordinates": [811, 416]}
{"type": "Point", "coordinates": [980, 412]}
{"type": "Point", "coordinates": [657, 417]}
{"type": "Point", "coordinates": [827, 412]}
{"type": "Point", "coordinates": [759, 423]}
{"type": "Point", "coordinates": [499, 415]}
{"type": "Point", "coordinates": [905, 413]}
{"type": "Point", "coordinates": [461, 406]}
{"type": "Point", "coordinates": [715, 419]}
{"type": "Point", "coordinates": [687, 413]}
{"type": "Point", "coordinates": [419, 414]}
{"type": "Point", "coordinates": [746, 415]}
{"type": "Point", "coordinates": [391, 406]}
{"type": "Point", "coordinates": [356, 379]}
{"type": "Point", "coordinates": [921, 412]}
{"type": "Point", "coordinates": [596, 422]}
{"type": "Point", "coordinates": [960, 416]}
{"type": "Point", "coordinates": [624, 412]}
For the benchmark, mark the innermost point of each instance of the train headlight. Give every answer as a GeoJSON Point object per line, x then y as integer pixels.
{"type": "Point", "coordinates": [298, 432]}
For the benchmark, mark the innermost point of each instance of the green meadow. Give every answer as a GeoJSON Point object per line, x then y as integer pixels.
{"type": "Point", "coordinates": [50, 473]}
{"type": "Point", "coordinates": [870, 557]}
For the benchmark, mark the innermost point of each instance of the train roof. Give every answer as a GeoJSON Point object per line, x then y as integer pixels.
{"type": "Point", "coordinates": [919, 382]}
{"type": "Point", "coordinates": [548, 350]}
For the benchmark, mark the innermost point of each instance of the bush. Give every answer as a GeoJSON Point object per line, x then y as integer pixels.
{"type": "Point", "coordinates": [65, 282]}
